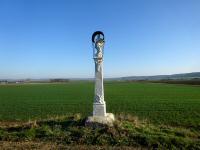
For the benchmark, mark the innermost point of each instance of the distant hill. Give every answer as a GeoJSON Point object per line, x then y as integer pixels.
{"type": "Point", "coordinates": [182, 76]}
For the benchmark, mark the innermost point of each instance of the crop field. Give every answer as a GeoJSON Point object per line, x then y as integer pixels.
{"type": "Point", "coordinates": [158, 103]}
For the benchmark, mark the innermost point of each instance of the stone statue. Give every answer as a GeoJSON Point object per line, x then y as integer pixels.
{"type": "Point", "coordinates": [99, 105]}
{"type": "Point", "coordinates": [98, 45]}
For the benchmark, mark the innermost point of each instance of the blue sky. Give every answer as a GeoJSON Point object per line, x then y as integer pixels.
{"type": "Point", "coordinates": [52, 38]}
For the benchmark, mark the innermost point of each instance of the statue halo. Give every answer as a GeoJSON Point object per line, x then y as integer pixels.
{"type": "Point", "coordinates": [95, 34]}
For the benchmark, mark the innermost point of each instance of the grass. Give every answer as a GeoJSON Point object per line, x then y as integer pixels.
{"type": "Point", "coordinates": [149, 116]}
{"type": "Point", "coordinates": [176, 105]}
{"type": "Point", "coordinates": [127, 131]}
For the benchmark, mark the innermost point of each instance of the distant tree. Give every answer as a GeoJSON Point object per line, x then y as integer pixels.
{"type": "Point", "coordinates": [59, 80]}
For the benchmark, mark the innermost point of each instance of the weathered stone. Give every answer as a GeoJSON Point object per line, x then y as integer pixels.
{"type": "Point", "coordinates": [96, 121]}
{"type": "Point", "coordinates": [99, 106]}
{"type": "Point", "coordinates": [99, 109]}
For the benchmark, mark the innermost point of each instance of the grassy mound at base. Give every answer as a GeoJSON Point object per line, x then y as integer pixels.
{"type": "Point", "coordinates": [127, 131]}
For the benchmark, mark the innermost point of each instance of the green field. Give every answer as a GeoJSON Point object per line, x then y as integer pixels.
{"type": "Point", "coordinates": [157, 103]}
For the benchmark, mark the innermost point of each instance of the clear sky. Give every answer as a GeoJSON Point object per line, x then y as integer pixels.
{"type": "Point", "coordinates": [52, 38]}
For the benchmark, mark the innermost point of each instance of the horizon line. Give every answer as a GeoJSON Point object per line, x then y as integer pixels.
{"type": "Point", "coordinates": [76, 78]}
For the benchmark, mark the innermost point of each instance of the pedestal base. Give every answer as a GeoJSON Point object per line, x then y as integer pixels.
{"type": "Point", "coordinates": [99, 109]}
{"type": "Point", "coordinates": [96, 121]}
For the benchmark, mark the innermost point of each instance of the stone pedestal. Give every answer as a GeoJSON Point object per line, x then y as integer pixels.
{"type": "Point", "coordinates": [99, 109]}
{"type": "Point", "coordinates": [96, 121]}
